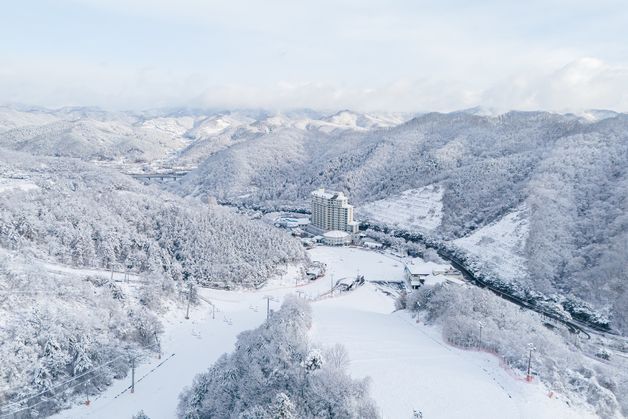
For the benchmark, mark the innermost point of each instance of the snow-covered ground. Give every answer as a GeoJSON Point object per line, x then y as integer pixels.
{"type": "Point", "coordinates": [9, 184]}
{"type": "Point", "coordinates": [413, 209]}
{"type": "Point", "coordinates": [500, 246]}
{"type": "Point", "coordinates": [411, 367]}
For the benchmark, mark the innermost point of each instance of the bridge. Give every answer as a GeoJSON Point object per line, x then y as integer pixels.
{"type": "Point", "coordinates": [160, 176]}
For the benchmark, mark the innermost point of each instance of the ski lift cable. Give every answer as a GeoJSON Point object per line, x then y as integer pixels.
{"type": "Point", "coordinates": [5, 415]}
{"type": "Point", "coordinates": [71, 379]}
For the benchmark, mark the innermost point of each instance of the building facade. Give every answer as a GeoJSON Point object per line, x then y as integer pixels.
{"type": "Point", "coordinates": [337, 238]}
{"type": "Point", "coordinates": [332, 211]}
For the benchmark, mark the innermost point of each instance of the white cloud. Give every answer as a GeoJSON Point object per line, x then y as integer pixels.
{"type": "Point", "coordinates": [582, 84]}
{"type": "Point", "coordinates": [585, 83]}
{"type": "Point", "coordinates": [402, 95]}
{"type": "Point", "coordinates": [360, 54]}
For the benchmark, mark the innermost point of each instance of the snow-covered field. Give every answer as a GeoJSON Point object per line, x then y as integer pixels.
{"type": "Point", "coordinates": [413, 209]}
{"type": "Point", "coordinates": [411, 367]}
{"type": "Point", "coordinates": [500, 246]}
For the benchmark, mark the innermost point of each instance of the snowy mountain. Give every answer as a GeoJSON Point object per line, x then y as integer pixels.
{"type": "Point", "coordinates": [11, 118]}
{"type": "Point", "coordinates": [92, 134]}
{"type": "Point", "coordinates": [501, 245]}
{"type": "Point", "coordinates": [96, 269]}
{"type": "Point", "coordinates": [571, 174]}
{"type": "Point", "coordinates": [595, 115]}
{"type": "Point", "coordinates": [183, 137]}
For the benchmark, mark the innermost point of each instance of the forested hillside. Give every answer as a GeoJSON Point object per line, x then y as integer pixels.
{"type": "Point", "coordinates": [67, 325]}
{"type": "Point", "coordinates": [569, 172]}
{"type": "Point", "coordinates": [74, 213]}
{"type": "Point", "coordinates": [92, 134]}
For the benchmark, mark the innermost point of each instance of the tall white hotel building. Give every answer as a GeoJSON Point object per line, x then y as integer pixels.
{"type": "Point", "coordinates": [332, 211]}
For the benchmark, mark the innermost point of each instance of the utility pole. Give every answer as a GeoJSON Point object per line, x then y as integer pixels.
{"type": "Point", "coordinates": [133, 375]}
{"type": "Point", "coordinates": [158, 344]}
{"type": "Point", "coordinates": [213, 311]}
{"type": "Point", "coordinates": [331, 285]}
{"type": "Point", "coordinates": [531, 348]}
{"type": "Point", "coordinates": [268, 298]}
{"type": "Point", "coordinates": [187, 312]}
{"type": "Point", "coordinates": [481, 325]}
{"type": "Point", "coordinates": [87, 402]}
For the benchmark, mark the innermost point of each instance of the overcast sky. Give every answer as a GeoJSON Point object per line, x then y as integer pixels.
{"type": "Point", "coordinates": [327, 54]}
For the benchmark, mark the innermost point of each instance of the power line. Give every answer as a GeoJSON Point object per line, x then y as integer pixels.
{"type": "Point", "coordinates": [69, 381]}
{"type": "Point", "coordinates": [5, 415]}
{"type": "Point", "coordinates": [61, 384]}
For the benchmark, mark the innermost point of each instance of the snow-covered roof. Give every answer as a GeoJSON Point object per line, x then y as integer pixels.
{"type": "Point", "coordinates": [419, 269]}
{"type": "Point", "coordinates": [454, 280]}
{"type": "Point", "coordinates": [426, 268]}
{"type": "Point", "coordinates": [336, 234]}
{"type": "Point", "coordinates": [433, 280]}
{"type": "Point", "coordinates": [321, 193]}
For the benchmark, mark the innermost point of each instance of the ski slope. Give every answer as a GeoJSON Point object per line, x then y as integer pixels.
{"type": "Point", "coordinates": [411, 367]}
{"type": "Point", "coordinates": [500, 246]}
{"type": "Point", "coordinates": [414, 209]}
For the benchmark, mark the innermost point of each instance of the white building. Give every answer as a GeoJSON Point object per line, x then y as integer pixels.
{"type": "Point", "coordinates": [430, 273]}
{"type": "Point", "coordinates": [416, 274]}
{"type": "Point", "coordinates": [332, 211]}
{"type": "Point", "coordinates": [336, 238]}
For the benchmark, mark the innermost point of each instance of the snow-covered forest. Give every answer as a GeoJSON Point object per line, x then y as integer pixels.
{"type": "Point", "coordinates": [277, 372]}
{"type": "Point", "coordinates": [65, 228]}
{"type": "Point", "coordinates": [91, 259]}
{"type": "Point", "coordinates": [74, 213]}
{"type": "Point", "coordinates": [566, 175]}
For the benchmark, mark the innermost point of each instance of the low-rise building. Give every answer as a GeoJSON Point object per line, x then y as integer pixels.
{"type": "Point", "coordinates": [337, 238]}
{"type": "Point", "coordinates": [372, 244]}
{"type": "Point", "coordinates": [430, 273]}
{"type": "Point", "coordinates": [416, 274]}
